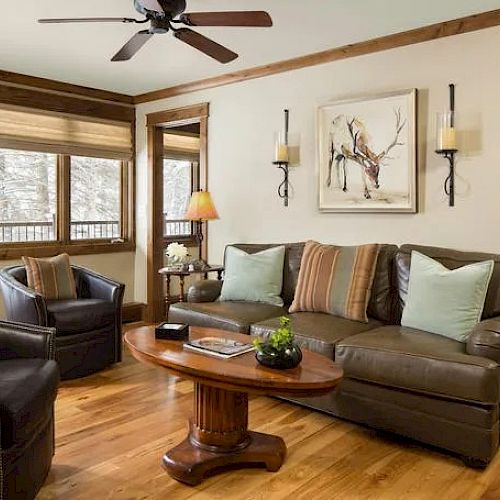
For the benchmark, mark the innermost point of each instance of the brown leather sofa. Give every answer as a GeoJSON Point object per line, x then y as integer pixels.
{"type": "Point", "coordinates": [414, 383]}
{"type": "Point", "coordinates": [28, 388]}
{"type": "Point", "coordinates": [88, 329]}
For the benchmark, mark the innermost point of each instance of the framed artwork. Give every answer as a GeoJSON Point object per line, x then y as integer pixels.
{"type": "Point", "coordinates": [368, 154]}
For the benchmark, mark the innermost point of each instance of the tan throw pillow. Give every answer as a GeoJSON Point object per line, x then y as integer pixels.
{"type": "Point", "coordinates": [53, 278]}
{"type": "Point", "coordinates": [336, 280]}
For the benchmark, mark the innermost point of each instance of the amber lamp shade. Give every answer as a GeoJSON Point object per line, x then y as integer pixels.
{"type": "Point", "coordinates": [201, 207]}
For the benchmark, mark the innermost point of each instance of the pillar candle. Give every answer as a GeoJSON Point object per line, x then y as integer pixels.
{"type": "Point", "coordinates": [281, 152]}
{"type": "Point", "coordinates": [448, 138]}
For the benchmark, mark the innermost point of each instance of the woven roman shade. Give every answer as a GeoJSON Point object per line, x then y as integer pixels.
{"type": "Point", "coordinates": [181, 144]}
{"type": "Point", "coordinates": [58, 133]}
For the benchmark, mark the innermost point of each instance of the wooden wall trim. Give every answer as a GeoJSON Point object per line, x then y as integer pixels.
{"type": "Point", "coordinates": [62, 103]}
{"type": "Point", "coordinates": [419, 35]}
{"type": "Point", "coordinates": [67, 88]}
{"type": "Point", "coordinates": [133, 312]}
{"type": "Point", "coordinates": [45, 87]}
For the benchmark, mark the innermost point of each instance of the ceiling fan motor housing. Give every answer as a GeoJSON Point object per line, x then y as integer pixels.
{"type": "Point", "coordinates": [159, 26]}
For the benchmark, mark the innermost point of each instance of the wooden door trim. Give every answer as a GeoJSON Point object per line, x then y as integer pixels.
{"type": "Point", "coordinates": [155, 121]}
{"type": "Point", "coordinates": [179, 114]}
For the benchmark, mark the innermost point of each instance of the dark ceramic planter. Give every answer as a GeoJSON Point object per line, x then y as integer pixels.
{"type": "Point", "coordinates": [280, 359]}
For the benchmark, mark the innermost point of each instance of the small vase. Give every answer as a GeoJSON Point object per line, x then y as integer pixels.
{"type": "Point", "coordinates": [283, 359]}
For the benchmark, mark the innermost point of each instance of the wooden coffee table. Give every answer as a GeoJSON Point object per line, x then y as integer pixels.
{"type": "Point", "coordinates": [218, 431]}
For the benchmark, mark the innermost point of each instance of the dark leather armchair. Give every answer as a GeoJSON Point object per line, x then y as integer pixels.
{"type": "Point", "coordinates": [88, 329]}
{"type": "Point", "coordinates": [29, 378]}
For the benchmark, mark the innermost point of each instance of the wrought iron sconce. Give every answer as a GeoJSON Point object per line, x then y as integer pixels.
{"type": "Point", "coordinates": [447, 144]}
{"type": "Point", "coordinates": [282, 159]}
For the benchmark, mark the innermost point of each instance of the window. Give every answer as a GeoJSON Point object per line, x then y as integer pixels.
{"type": "Point", "coordinates": [77, 204]}
{"type": "Point", "coordinates": [28, 198]}
{"type": "Point", "coordinates": [95, 198]}
{"type": "Point", "coordinates": [65, 182]}
{"type": "Point", "coordinates": [181, 176]}
{"type": "Point", "coordinates": [178, 178]}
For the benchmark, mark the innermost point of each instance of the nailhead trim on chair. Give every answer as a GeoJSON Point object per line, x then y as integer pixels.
{"type": "Point", "coordinates": [1, 468]}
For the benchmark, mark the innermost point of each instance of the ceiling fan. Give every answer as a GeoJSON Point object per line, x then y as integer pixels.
{"type": "Point", "coordinates": [166, 15]}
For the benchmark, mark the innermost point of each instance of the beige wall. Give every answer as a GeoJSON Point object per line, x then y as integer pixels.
{"type": "Point", "coordinates": [244, 117]}
{"type": "Point", "coordinates": [119, 266]}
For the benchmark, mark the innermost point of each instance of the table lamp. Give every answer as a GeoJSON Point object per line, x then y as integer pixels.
{"type": "Point", "coordinates": [201, 209]}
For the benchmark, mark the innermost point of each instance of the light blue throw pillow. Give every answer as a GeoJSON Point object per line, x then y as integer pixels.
{"type": "Point", "coordinates": [254, 277]}
{"type": "Point", "coordinates": [443, 301]}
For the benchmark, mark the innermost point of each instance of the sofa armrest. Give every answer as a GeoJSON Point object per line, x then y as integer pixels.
{"type": "Point", "coordinates": [19, 340]}
{"type": "Point", "coordinates": [101, 287]}
{"type": "Point", "coordinates": [22, 304]}
{"type": "Point", "coordinates": [205, 291]}
{"type": "Point", "coordinates": [485, 340]}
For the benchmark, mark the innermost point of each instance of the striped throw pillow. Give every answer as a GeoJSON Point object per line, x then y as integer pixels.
{"type": "Point", "coordinates": [52, 278]}
{"type": "Point", "coordinates": [336, 280]}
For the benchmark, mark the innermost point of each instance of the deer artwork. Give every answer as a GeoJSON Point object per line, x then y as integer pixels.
{"type": "Point", "coordinates": [349, 141]}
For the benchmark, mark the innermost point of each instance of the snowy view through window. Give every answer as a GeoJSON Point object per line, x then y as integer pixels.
{"type": "Point", "coordinates": [28, 197]}
{"type": "Point", "coordinates": [177, 189]}
{"type": "Point", "coordinates": [95, 198]}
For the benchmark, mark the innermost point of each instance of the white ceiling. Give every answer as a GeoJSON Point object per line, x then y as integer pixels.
{"type": "Point", "coordinates": [81, 53]}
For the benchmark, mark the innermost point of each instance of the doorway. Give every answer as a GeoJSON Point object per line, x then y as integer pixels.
{"type": "Point", "coordinates": [177, 166]}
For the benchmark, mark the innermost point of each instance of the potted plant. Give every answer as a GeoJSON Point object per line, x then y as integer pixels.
{"type": "Point", "coordinates": [279, 351]}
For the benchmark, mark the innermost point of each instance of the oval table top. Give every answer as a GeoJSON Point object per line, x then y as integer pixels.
{"type": "Point", "coordinates": [315, 375]}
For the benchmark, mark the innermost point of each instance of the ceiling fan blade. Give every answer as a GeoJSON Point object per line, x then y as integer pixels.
{"type": "Point", "coordinates": [132, 46]}
{"type": "Point", "coordinates": [246, 19]}
{"type": "Point", "coordinates": [205, 45]}
{"type": "Point", "coordinates": [89, 20]}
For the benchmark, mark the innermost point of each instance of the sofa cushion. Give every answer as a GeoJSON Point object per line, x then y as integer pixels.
{"type": "Point", "coordinates": [293, 257]}
{"type": "Point", "coordinates": [419, 361]}
{"type": "Point", "coordinates": [80, 315]}
{"type": "Point", "coordinates": [231, 316]}
{"type": "Point", "coordinates": [253, 277]}
{"type": "Point", "coordinates": [452, 259]}
{"type": "Point", "coordinates": [317, 332]}
{"type": "Point", "coordinates": [384, 301]}
{"type": "Point", "coordinates": [52, 278]}
{"type": "Point", "coordinates": [28, 388]}
{"type": "Point", "coordinates": [336, 280]}
{"type": "Point", "coordinates": [448, 303]}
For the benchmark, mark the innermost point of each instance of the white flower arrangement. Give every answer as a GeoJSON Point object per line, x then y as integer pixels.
{"type": "Point", "coordinates": [176, 253]}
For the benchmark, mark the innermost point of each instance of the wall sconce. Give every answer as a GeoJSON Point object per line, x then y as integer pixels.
{"type": "Point", "coordinates": [282, 158]}
{"type": "Point", "coordinates": [447, 143]}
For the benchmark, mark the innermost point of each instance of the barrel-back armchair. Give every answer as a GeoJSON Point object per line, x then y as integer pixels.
{"type": "Point", "coordinates": [29, 378]}
{"type": "Point", "coordinates": [88, 329]}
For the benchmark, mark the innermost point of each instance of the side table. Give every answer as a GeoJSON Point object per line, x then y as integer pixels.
{"type": "Point", "coordinates": [169, 272]}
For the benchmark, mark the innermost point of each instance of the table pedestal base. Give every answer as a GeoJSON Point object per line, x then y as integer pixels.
{"type": "Point", "coordinates": [190, 465]}
{"type": "Point", "coordinates": [219, 438]}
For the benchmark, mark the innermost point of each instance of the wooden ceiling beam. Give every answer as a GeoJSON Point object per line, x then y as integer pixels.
{"type": "Point", "coordinates": [425, 34]}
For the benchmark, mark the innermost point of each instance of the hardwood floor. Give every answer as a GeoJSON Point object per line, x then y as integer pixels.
{"type": "Point", "coordinates": [113, 427]}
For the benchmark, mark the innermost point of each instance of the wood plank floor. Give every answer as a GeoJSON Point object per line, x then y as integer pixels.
{"type": "Point", "coordinates": [113, 427]}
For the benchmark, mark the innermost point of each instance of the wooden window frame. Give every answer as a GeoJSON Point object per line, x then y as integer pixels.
{"type": "Point", "coordinates": [63, 242]}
